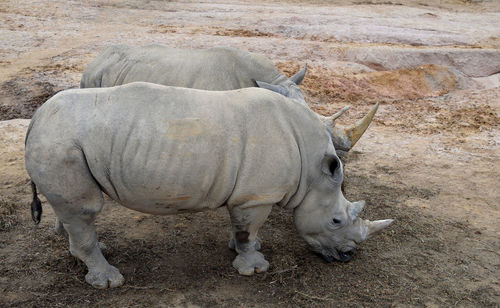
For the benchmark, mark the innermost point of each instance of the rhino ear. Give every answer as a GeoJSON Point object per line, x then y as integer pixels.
{"type": "Point", "coordinates": [272, 87]}
{"type": "Point", "coordinates": [331, 166]}
{"type": "Point", "coordinates": [299, 76]}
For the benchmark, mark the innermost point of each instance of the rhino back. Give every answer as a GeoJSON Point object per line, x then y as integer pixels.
{"type": "Point", "coordinates": [218, 68]}
{"type": "Point", "coordinates": [163, 150]}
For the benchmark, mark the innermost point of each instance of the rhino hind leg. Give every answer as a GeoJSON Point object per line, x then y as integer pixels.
{"type": "Point", "coordinates": [245, 224]}
{"type": "Point", "coordinates": [78, 221]}
{"type": "Point", "coordinates": [76, 199]}
{"type": "Point", "coordinates": [59, 229]}
{"type": "Point", "coordinates": [84, 245]}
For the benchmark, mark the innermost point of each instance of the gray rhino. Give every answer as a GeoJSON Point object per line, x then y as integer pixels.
{"type": "Point", "coordinates": [168, 150]}
{"type": "Point", "coordinates": [216, 69]}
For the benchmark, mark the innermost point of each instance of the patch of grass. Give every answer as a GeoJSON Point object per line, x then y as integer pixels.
{"type": "Point", "coordinates": [8, 217]}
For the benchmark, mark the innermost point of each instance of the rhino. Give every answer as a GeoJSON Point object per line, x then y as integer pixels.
{"type": "Point", "coordinates": [168, 150]}
{"type": "Point", "coordinates": [216, 69]}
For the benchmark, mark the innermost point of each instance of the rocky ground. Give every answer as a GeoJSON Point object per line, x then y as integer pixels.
{"type": "Point", "coordinates": [430, 159]}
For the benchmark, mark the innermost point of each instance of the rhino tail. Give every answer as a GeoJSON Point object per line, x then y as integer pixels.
{"type": "Point", "coordinates": [36, 205]}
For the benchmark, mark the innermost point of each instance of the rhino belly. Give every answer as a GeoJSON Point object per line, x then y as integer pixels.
{"type": "Point", "coordinates": [185, 168]}
{"type": "Point", "coordinates": [167, 190]}
{"type": "Point", "coordinates": [167, 201]}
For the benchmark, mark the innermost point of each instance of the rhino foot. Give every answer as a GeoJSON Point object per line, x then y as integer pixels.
{"type": "Point", "coordinates": [248, 263]}
{"type": "Point", "coordinates": [102, 279]}
{"type": "Point", "coordinates": [258, 243]}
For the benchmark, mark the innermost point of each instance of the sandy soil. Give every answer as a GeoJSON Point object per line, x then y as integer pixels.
{"type": "Point", "coordinates": [430, 159]}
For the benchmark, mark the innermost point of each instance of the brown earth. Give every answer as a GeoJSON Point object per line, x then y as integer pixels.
{"type": "Point", "coordinates": [430, 159]}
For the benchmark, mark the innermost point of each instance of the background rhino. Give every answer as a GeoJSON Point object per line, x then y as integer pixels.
{"type": "Point", "coordinates": [166, 150]}
{"type": "Point", "coordinates": [217, 68]}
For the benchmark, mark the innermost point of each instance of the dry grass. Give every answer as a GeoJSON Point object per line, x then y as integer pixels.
{"type": "Point", "coordinates": [8, 217]}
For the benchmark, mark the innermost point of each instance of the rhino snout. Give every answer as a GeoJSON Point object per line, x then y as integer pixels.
{"type": "Point", "coordinates": [342, 256]}
{"type": "Point", "coordinates": [345, 256]}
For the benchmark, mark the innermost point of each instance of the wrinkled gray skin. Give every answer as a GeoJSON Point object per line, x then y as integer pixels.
{"type": "Point", "coordinates": [215, 69]}
{"type": "Point", "coordinates": [167, 150]}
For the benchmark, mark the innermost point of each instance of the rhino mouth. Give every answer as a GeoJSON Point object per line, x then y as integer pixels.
{"type": "Point", "coordinates": [342, 256]}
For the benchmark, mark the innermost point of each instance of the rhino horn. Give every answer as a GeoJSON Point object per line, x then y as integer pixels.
{"type": "Point", "coordinates": [344, 138]}
{"type": "Point", "coordinates": [355, 208]}
{"type": "Point", "coordinates": [299, 76]}
{"type": "Point", "coordinates": [357, 130]}
{"type": "Point", "coordinates": [373, 227]}
{"type": "Point", "coordinates": [362, 229]}
{"type": "Point", "coordinates": [337, 115]}
{"type": "Point", "coordinates": [330, 121]}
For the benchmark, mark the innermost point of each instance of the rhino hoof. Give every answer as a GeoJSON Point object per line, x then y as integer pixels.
{"type": "Point", "coordinates": [109, 278]}
{"type": "Point", "coordinates": [249, 263]}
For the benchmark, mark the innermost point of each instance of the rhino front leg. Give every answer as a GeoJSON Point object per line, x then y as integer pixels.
{"type": "Point", "coordinates": [232, 245]}
{"type": "Point", "coordinates": [245, 224]}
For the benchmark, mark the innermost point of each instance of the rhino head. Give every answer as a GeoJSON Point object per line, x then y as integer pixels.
{"type": "Point", "coordinates": [287, 86]}
{"type": "Point", "coordinates": [327, 221]}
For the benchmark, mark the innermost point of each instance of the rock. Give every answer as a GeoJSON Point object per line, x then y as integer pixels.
{"type": "Point", "coordinates": [489, 82]}
{"type": "Point", "coordinates": [344, 68]}
{"type": "Point", "coordinates": [470, 62]}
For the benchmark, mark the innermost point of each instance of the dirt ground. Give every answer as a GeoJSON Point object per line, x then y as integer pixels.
{"type": "Point", "coordinates": [430, 160]}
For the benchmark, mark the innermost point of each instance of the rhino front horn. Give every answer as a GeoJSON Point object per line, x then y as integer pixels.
{"type": "Point", "coordinates": [373, 227]}
{"type": "Point", "coordinates": [344, 138]}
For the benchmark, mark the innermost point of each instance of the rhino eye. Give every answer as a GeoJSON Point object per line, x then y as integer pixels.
{"type": "Point", "coordinates": [336, 221]}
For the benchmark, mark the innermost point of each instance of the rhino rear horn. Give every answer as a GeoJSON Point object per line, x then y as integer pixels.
{"type": "Point", "coordinates": [355, 208]}
{"type": "Point", "coordinates": [299, 76]}
{"type": "Point", "coordinates": [337, 115]}
{"type": "Point", "coordinates": [330, 121]}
